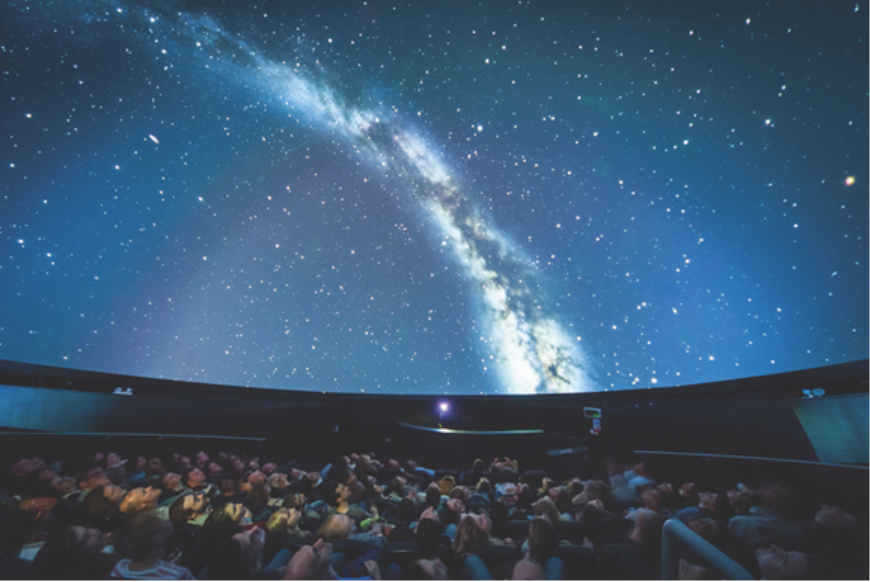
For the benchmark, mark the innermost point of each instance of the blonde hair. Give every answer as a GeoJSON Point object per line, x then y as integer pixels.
{"type": "Point", "coordinates": [277, 524]}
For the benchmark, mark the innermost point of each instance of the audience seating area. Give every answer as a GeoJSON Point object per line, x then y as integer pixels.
{"type": "Point", "coordinates": [213, 514]}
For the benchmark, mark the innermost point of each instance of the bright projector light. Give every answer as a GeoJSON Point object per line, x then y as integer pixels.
{"type": "Point", "coordinates": [443, 406]}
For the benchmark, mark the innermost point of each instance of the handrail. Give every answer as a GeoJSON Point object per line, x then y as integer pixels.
{"type": "Point", "coordinates": [132, 434]}
{"type": "Point", "coordinates": [676, 536]}
{"type": "Point", "coordinates": [745, 458]}
{"type": "Point", "coordinates": [475, 432]}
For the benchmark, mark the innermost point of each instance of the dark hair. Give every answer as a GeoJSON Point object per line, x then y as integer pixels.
{"type": "Point", "coordinates": [177, 513]}
{"type": "Point", "coordinates": [14, 525]}
{"type": "Point", "coordinates": [226, 562]}
{"type": "Point", "coordinates": [429, 536]}
{"type": "Point", "coordinates": [96, 509]}
{"type": "Point", "coordinates": [406, 512]}
{"type": "Point", "coordinates": [433, 497]}
{"type": "Point", "coordinates": [141, 537]}
{"type": "Point", "coordinates": [414, 571]}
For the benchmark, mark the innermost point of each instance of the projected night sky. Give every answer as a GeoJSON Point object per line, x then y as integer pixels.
{"type": "Point", "coordinates": [434, 197]}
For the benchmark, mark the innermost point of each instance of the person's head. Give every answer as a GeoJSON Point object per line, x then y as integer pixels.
{"type": "Point", "coordinates": [66, 552]}
{"type": "Point", "coordinates": [201, 459]}
{"type": "Point", "coordinates": [433, 496]}
{"type": "Point", "coordinates": [653, 500]}
{"type": "Point", "coordinates": [155, 466]}
{"type": "Point", "coordinates": [525, 496]}
{"type": "Point", "coordinates": [648, 528]}
{"type": "Point", "coordinates": [707, 500]}
{"type": "Point", "coordinates": [294, 501]}
{"type": "Point", "coordinates": [528, 569]}
{"type": "Point", "coordinates": [777, 564]}
{"type": "Point", "coordinates": [214, 469]}
{"type": "Point", "coordinates": [98, 504]}
{"type": "Point", "coordinates": [543, 538]}
{"type": "Point", "coordinates": [142, 537]}
{"type": "Point", "coordinates": [230, 517]}
{"type": "Point", "coordinates": [113, 460]}
{"type": "Point", "coordinates": [335, 527]}
{"type": "Point", "coordinates": [546, 507]}
{"type": "Point", "coordinates": [259, 494]}
{"type": "Point", "coordinates": [835, 518]}
{"type": "Point", "coordinates": [429, 535]}
{"type": "Point", "coordinates": [63, 485]}
{"type": "Point", "coordinates": [278, 481]}
{"type": "Point", "coordinates": [239, 557]}
{"type": "Point", "coordinates": [188, 507]}
{"type": "Point", "coordinates": [93, 478]}
{"type": "Point", "coordinates": [742, 501]}
{"type": "Point", "coordinates": [484, 486]}
{"type": "Point", "coordinates": [194, 477]}
{"type": "Point", "coordinates": [426, 570]}
{"type": "Point", "coordinates": [406, 511]}
{"type": "Point", "coordinates": [342, 493]}
{"type": "Point", "coordinates": [256, 476]}
{"type": "Point", "coordinates": [281, 520]}
{"type": "Point", "coordinates": [139, 499]}
{"type": "Point", "coordinates": [171, 480]}
{"type": "Point", "coordinates": [310, 562]}
{"type": "Point", "coordinates": [469, 537]}
{"type": "Point", "coordinates": [706, 528]}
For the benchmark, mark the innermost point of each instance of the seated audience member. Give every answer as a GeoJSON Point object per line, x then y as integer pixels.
{"type": "Point", "coordinates": [337, 527]}
{"type": "Point", "coordinates": [284, 523]}
{"type": "Point", "coordinates": [172, 488]}
{"type": "Point", "coordinates": [140, 500]}
{"type": "Point", "coordinates": [763, 526]}
{"type": "Point", "coordinates": [139, 542]}
{"type": "Point", "coordinates": [100, 509]}
{"type": "Point", "coordinates": [473, 534]}
{"type": "Point", "coordinates": [137, 472]}
{"type": "Point", "coordinates": [194, 479]}
{"type": "Point", "coordinates": [312, 562]}
{"type": "Point", "coordinates": [200, 460]}
{"type": "Point", "coordinates": [841, 539]}
{"type": "Point", "coordinates": [621, 492]}
{"type": "Point", "coordinates": [777, 564]}
{"type": "Point", "coordinates": [638, 477]}
{"type": "Point", "coordinates": [91, 479]}
{"type": "Point", "coordinates": [213, 473]}
{"type": "Point", "coordinates": [340, 503]}
{"type": "Point", "coordinates": [545, 507]}
{"type": "Point", "coordinates": [279, 483]}
{"type": "Point", "coordinates": [72, 553]}
{"type": "Point", "coordinates": [116, 470]}
{"type": "Point", "coordinates": [653, 500]}
{"type": "Point", "coordinates": [240, 558]}
{"type": "Point", "coordinates": [542, 539]}
{"type": "Point", "coordinates": [257, 500]}
{"type": "Point", "coordinates": [191, 509]}
{"type": "Point", "coordinates": [706, 508]}
{"type": "Point", "coordinates": [154, 468]}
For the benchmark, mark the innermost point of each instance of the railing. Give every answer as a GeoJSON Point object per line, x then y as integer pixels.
{"type": "Point", "coordinates": [754, 459]}
{"type": "Point", "coordinates": [676, 536]}
{"type": "Point", "coordinates": [109, 435]}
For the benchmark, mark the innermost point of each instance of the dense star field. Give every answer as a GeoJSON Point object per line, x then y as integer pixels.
{"type": "Point", "coordinates": [434, 197]}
